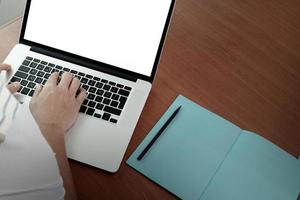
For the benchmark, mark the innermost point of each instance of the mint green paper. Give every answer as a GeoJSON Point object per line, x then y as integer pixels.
{"type": "Point", "coordinates": [201, 156]}
{"type": "Point", "coordinates": [190, 150]}
{"type": "Point", "coordinates": [256, 169]}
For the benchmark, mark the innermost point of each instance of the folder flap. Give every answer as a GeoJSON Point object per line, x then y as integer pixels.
{"type": "Point", "coordinates": [256, 169]}
{"type": "Point", "coordinates": [188, 153]}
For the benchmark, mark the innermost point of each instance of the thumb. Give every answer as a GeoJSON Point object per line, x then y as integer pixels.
{"type": "Point", "coordinates": [14, 87]}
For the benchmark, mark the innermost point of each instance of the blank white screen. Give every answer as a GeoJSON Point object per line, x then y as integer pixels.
{"type": "Point", "coordinates": [122, 33]}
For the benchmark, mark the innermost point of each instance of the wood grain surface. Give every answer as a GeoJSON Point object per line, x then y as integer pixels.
{"type": "Point", "coordinates": [239, 59]}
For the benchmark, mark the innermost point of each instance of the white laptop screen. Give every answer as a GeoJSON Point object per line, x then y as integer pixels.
{"type": "Point", "coordinates": [125, 34]}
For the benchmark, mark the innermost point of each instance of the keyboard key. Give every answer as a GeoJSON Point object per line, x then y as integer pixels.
{"type": "Point", "coordinates": [114, 103]}
{"type": "Point", "coordinates": [25, 91]}
{"type": "Point", "coordinates": [15, 79]}
{"type": "Point", "coordinates": [38, 80]}
{"type": "Point", "coordinates": [122, 102]}
{"type": "Point", "coordinates": [47, 69]}
{"type": "Point", "coordinates": [73, 71]}
{"type": "Point", "coordinates": [100, 92]}
{"type": "Point", "coordinates": [66, 69]}
{"type": "Point", "coordinates": [96, 79]}
{"type": "Point", "coordinates": [92, 90]}
{"type": "Point", "coordinates": [112, 83]}
{"type": "Point", "coordinates": [90, 111]}
{"type": "Point", "coordinates": [33, 71]}
{"type": "Point", "coordinates": [40, 67]}
{"type": "Point", "coordinates": [24, 82]}
{"type": "Point", "coordinates": [92, 104]}
{"type": "Point", "coordinates": [86, 87]}
{"type": "Point", "coordinates": [106, 101]}
{"type": "Point", "coordinates": [114, 89]}
{"type": "Point", "coordinates": [36, 60]}
{"type": "Point", "coordinates": [112, 110]}
{"type": "Point", "coordinates": [99, 99]}
{"type": "Point", "coordinates": [44, 82]}
{"type": "Point", "coordinates": [29, 58]}
{"type": "Point", "coordinates": [54, 70]}
{"type": "Point", "coordinates": [115, 97]}
{"type": "Point", "coordinates": [99, 85]}
{"type": "Point", "coordinates": [123, 92]}
{"type": "Point", "coordinates": [100, 106]}
{"type": "Point", "coordinates": [31, 85]}
{"type": "Point", "coordinates": [88, 76]}
{"type": "Point", "coordinates": [47, 76]}
{"type": "Point", "coordinates": [104, 81]}
{"type": "Point", "coordinates": [31, 93]}
{"type": "Point", "coordinates": [58, 67]}
{"type": "Point", "coordinates": [106, 87]}
{"type": "Point", "coordinates": [31, 78]}
{"type": "Point", "coordinates": [21, 75]}
{"type": "Point", "coordinates": [91, 97]}
{"type": "Point", "coordinates": [51, 65]}
{"type": "Point", "coordinates": [97, 115]}
{"type": "Point", "coordinates": [24, 69]}
{"type": "Point", "coordinates": [123, 99]}
{"type": "Point", "coordinates": [106, 116]}
{"type": "Point", "coordinates": [92, 82]}
{"type": "Point", "coordinates": [44, 63]}
{"type": "Point", "coordinates": [33, 65]}
{"type": "Point", "coordinates": [120, 86]}
{"type": "Point", "coordinates": [41, 74]}
{"type": "Point", "coordinates": [81, 74]}
{"type": "Point", "coordinates": [82, 109]}
{"type": "Point", "coordinates": [107, 94]}
{"type": "Point", "coordinates": [26, 62]}
{"type": "Point", "coordinates": [113, 120]}
{"type": "Point", "coordinates": [84, 80]}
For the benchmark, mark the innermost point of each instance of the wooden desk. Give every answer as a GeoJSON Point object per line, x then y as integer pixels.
{"type": "Point", "coordinates": [240, 59]}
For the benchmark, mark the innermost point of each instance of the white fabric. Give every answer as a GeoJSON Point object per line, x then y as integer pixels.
{"type": "Point", "coordinates": [28, 167]}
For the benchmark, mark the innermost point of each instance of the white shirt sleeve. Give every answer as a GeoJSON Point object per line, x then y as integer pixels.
{"type": "Point", "coordinates": [28, 167]}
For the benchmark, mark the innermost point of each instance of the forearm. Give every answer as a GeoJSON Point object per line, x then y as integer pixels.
{"type": "Point", "coordinates": [57, 143]}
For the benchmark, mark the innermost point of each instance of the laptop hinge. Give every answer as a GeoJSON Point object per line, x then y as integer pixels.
{"type": "Point", "coordinates": [91, 65]}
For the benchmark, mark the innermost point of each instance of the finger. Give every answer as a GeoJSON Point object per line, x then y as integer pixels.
{"type": "Point", "coordinates": [5, 67]}
{"type": "Point", "coordinates": [14, 87]}
{"type": "Point", "coordinates": [53, 79]}
{"type": "Point", "coordinates": [75, 84]}
{"type": "Point", "coordinates": [37, 91]}
{"type": "Point", "coordinates": [66, 80]}
{"type": "Point", "coordinates": [81, 96]}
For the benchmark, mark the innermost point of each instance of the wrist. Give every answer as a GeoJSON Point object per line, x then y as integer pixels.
{"type": "Point", "coordinates": [52, 129]}
{"type": "Point", "coordinates": [55, 137]}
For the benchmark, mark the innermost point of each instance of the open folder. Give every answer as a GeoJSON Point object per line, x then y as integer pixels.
{"type": "Point", "coordinates": [202, 156]}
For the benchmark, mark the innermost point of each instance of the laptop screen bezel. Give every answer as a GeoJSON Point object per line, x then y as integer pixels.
{"type": "Point", "coordinates": [89, 63]}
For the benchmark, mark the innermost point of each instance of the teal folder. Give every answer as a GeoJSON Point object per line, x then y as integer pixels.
{"type": "Point", "coordinates": [201, 156]}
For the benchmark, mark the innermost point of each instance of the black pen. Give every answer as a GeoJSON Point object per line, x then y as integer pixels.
{"type": "Point", "coordinates": [161, 130]}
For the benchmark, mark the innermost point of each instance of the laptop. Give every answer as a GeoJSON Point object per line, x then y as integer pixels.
{"type": "Point", "coordinates": [113, 47]}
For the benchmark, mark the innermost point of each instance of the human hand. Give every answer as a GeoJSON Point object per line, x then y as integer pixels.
{"type": "Point", "coordinates": [13, 87]}
{"type": "Point", "coordinates": [55, 106]}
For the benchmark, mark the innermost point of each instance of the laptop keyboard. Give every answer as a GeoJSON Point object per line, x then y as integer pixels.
{"type": "Point", "coordinates": [105, 100]}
